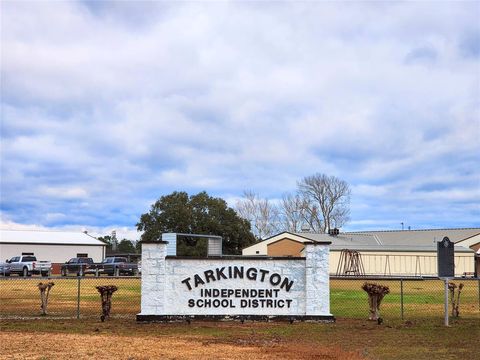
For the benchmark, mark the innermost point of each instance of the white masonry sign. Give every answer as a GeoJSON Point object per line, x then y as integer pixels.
{"type": "Point", "coordinates": [244, 287]}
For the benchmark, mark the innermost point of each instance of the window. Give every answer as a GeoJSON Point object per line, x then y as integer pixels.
{"type": "Point", "coordinates": [15, 259]}
{"type": "Point", "coordinates": [119, 260]}
{"type": "Point", "coordinates": [257, 252]}
{"type": "Point", "coordinates": [29, 258]}
{"type": "Point", "coordinates": [82, 255]}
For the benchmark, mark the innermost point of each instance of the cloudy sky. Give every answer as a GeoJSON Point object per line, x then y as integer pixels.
{"type": "Point", "coordinates": [106, 106]}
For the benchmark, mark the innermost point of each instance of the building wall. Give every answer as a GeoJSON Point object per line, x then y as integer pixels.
{"type": "Point", "coordinates": [472, 242]}
{"type": "Point", "coordinates": [285, 247]}
{"type": "Point", "coordinates": [381, 262]}
{"type": "Point", "coordinates": [261, 248]}
{"type": "Point", "coordinates": [54, 253]}
{"type": "Point", "coordinates": [404, 263]}
{"type": "Point", "coordinates": [475, 247]}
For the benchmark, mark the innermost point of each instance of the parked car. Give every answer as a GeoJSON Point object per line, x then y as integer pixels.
{"type": "Point", "coordinates": [117, 266]}
{"type": "Point", "coordinates": [4, 269]}
{"type": "Point", "coordinates": [79, 266]}
{"type": "Point", "coordinates": [26, 265]}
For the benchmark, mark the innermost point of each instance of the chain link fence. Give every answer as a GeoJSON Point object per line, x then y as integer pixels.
{"type": "Point", "coordinates": [70, 297]}
{"type": "Point", "coordinates": [77, 297]}
{"type": "Point", "coordinates": [409, 298]}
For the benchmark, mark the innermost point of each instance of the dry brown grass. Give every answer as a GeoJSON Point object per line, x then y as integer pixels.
{"type": "Point", "coordinates": [17, 345]}
{"type": "Point", "coordinates": [346, 339]}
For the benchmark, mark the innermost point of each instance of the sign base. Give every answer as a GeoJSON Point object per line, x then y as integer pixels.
{"type": "Point", "coordinates": [173, 318]}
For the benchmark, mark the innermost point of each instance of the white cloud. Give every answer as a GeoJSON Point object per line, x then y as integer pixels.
{"type": "Point", "coordinates": [63, 192]}
{"type": "Point", "coordinates": [122, 232]}
{"type": "Point", "coordinates": [107, 106]}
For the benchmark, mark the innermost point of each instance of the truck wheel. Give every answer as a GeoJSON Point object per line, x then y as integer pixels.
{"type": "Point", "coordinates": [25, 272]}
{"type": "Point", "coordinates": [44, 273]}
{"type": "Point", "coordinates": [64, 272]}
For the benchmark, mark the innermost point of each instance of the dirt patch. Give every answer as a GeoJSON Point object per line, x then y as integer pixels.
{"type": "Point", "coordinates": [16, 345]}
{"type": "Point", "coordinates": [417, 339]}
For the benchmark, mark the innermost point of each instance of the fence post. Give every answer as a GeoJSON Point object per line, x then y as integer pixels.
{"type": "Point", "coordinates": [78, 298]}
{"type": "Point", "coordinates": [401, 297]}
{"type": "Point", "coordinates": [446, 302]}
{"type": "Point", "coordinates": [479, 294]}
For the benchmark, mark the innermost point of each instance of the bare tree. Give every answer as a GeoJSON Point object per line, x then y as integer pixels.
{"type": "Point", "coordinates": [326, 200]}
{"type": "Point", "coordinates": [261, 213]}
{"type": "Point", "coordinates": [291, 209]}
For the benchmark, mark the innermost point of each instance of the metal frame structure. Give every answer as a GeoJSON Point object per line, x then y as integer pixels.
{"type": "Point", "coordinates": [214, 243]}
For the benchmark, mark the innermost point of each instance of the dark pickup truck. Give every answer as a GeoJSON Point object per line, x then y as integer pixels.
{"type": "Point", "coordinates": [116, 266]}
{"type": "Point", "coordinates": [113, 266]}
{"type": "Point", "coordinates": [79, 266]}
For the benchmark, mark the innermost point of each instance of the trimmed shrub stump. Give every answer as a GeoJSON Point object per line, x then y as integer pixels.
{"type": "Point", "coordinates": [44, 292]}
{"type": "Point", "coordinates": [455, 303]}
{"type": "Point", "coordinates": [376, 293]}
{"type": "Point", "coordinates": [106, 293]}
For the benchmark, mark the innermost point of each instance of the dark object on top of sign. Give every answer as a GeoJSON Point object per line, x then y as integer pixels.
{"type": "Point", "coordinates": [446, 258]}
{"type": "Point", "coordinates": [333, 232]}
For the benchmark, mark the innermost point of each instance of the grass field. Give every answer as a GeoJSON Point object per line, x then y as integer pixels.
{"type": "Point", "coordinates": [422, 299]}
{"type": "Point", "coordinates": [59, 335]}
{"type": "Point", "coordinates": [20, 297]}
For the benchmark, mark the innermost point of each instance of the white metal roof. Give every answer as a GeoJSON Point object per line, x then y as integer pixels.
{"type": "Point", "coordinates": [370, 242]}
{"type": "Point", "coordinates": [47, 237]}
{"type": "Point", "coordinates": [424, 237]}
{"type": "Point", "coordinates": [407, 240]}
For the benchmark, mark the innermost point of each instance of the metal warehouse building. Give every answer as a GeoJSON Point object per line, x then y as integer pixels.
{"type": "Point", "coordinates": [403, 252]}
{"type": "Point", "coordinates": [54, 246]}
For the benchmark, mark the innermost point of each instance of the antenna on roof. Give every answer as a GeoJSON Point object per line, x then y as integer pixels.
{"type": "Point", "coordinates": [114, 240]}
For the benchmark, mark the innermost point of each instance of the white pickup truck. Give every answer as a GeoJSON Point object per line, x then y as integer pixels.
{"type": "Point", "coordinates": [26, 265]}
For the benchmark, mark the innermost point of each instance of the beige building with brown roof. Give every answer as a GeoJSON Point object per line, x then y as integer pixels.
{"type": "Point", "coordinates": [402, 252]}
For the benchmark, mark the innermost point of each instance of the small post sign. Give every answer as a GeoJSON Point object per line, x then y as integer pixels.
{"type": "Point", "coordinates": [445, 258]}
{"type": "Point", "coordinates": [446, 267]}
